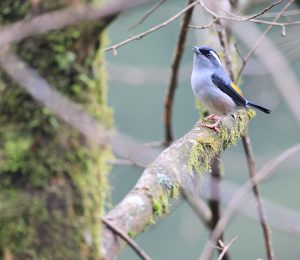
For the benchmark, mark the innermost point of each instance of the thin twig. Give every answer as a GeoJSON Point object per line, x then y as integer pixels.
{"type": "Point", "coordinates": [206, 26]}
{"type": "Point", "coordinates": [261, 211]}
{"type": "Point", "coordinates": [224, 41]}
{"type": "Point", "coordinates": [263, 11]}
{"type": "Point", "coordinates": [225, 248]}
{"type": "Point", "coordinates": [238, 51]}
{"type": "Point", "coordinates": [213, 203]}
{"type": "Point", "coordinates": [287, 13]}
{"type": "Point", "coordinates": [258, 42]}
{"type": "Point", "coordinates": [269, 52]}
{"type": "Point", "coordinates": [237, 198]}
{"type": "Point", "coordinates": [155, 28]}
{"type": "Point", "coordinates": [61, 18]}
{"type": "Point", "coordinates": [169, 98]}
{"type": "Point", "coordinates": [147, 14]}
{"type": "Point", "coordinates": [278, 214]}
{"type": "Point", "coordinates": [247, 19]}
{"type": "Point", "coordinates": [125, 162]}
{"type": "Point", "coordinates": [199, 206]}
{"type": "Point", "coordinates": [136, 248]}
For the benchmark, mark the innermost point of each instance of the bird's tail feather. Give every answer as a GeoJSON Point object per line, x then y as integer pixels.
{"type": "Point", "coordinates": [263, 109]}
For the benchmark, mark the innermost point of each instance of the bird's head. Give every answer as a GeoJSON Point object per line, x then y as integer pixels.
{"type": "Point", "coordinates": [206, 57]}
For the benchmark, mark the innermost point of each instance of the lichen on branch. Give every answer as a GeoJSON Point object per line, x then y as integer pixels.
{"type": "Point", "coordinates": [164, 178]}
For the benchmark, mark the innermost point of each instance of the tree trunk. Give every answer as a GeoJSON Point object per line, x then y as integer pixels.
{"type": "Point", "coordinates": [53, 181]}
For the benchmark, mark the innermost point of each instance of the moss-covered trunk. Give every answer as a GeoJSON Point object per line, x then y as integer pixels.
{"type": "Point", "coordinates": [53, 181]}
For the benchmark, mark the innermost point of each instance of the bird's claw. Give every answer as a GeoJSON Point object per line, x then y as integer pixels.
{"type": "Point", "coordinates": [211, 126]}
{"type": "Point", "coordinates": [212, 116]}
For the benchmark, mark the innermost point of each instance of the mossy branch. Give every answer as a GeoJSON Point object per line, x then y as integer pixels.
{"type": "Point", "coordinates": [164, 179]}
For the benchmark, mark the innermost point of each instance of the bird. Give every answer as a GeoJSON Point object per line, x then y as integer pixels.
{"type": "Point", "coordinates": [213, 87]}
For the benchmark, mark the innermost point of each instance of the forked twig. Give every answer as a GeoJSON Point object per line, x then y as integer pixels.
{"type": "Point", "coordinates": [261, 38]}
{"type": "Point", "coordinates": [234, 17]}
{"type": "Point", "coordinates": [136, 248]}
{"type": "Point", "coordinates": [238, 196]}
{"type": "Point", "coordinates": [225, 248]}
{"type": "Point", "coordinates": [153, 29]}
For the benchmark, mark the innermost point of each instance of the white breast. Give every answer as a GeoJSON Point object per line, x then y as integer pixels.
{"type": "Point", "coordinates": [215, 100]}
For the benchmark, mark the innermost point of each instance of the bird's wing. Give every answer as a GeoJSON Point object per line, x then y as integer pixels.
{"type": "Point", "coordinates": [230, 89]}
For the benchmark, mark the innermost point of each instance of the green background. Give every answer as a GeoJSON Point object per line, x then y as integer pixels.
{"type": "Point", "coordinates": [138, 108]}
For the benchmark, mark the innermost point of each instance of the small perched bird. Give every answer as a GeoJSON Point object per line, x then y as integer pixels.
{"type": "Point", "coordinates": [213, 87]}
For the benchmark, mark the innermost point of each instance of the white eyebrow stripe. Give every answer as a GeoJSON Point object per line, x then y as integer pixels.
{"type": "Point", "coordinates": [216, 57]}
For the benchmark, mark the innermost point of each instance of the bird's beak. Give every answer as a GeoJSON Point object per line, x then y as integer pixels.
{"type": "Point", "coordinates": [195, 49]}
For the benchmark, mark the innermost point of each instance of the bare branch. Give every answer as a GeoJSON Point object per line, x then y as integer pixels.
{"type": "Point", "coordinates": [147, 14]}
{"type": "Point", "coordinates": [287, 13]}
{"type": "Point", "coordinates": [236, 199]}
{"type": "Point", "coordinates": [125, 162]}
{"type": "Point", "coordinates": [281, 218]}
{"type": "Point", "coordinates": [153, 29]}
{"type": "Point", "coordinates": [263, 11]}
{"type": "Point", "coordinates": [288, 85]}
{"type": "Point", "coordinates": [62, 18]}
{"type": "Point", "coordinates": [247, 19]}
{"type": "Point", "coordinates": [204, 26]}
{"type": "Point", "coordinates": [261, 211]}
{"type": "Point", "coordinates": [169, 98]}
{"type": "Point", "coordinates": [213, 203]}
{"type": "Point", "coordinates": [136, 248]}
{"type": "Point", "coordinates": [191, 195]}
{"type": "Point", "coordinates": [258, 42]}
{"type": "Point", "coordinates": [225, 248]}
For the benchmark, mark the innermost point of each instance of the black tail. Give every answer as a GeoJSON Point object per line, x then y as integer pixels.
{"type": "Point", "coordinates": [263, 109]}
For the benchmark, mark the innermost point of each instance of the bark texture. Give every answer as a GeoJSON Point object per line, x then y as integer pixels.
{"type": "Point", "coordinates": [53, 181]}
{"type": "Point", "coordinates": [164, 179]}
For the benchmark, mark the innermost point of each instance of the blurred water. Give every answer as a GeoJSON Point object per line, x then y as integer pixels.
{"type": "Point", "coordinates": [138, 111]}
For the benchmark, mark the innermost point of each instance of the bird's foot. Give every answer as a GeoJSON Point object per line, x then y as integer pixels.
{"type": "Point", "coordinates": [213, 126]}
{"type": "Point", "coordinates": [212, 116]}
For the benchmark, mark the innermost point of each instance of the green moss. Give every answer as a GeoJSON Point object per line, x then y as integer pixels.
{"type": "Point", "coordinates": [150, 221]}
{"type": "Point", "coordinates": [202, 153]}
{"type": "Point", "coordinates": [161, 201]}
{"type": "Point", "coordinates": [21, 240]}
{"type": "Point", "coordinates": [160, 206]}
{"type": "Point", "coordinates": [202, 110]}
{"type": "Point", "coordinates": [14, 152]}
{"type": "Point", "coordinates": [53, 176]}
{"type": "Point", "coordinates": [131, 234]}
{"type": "Point", "coordinates": [175, 191]}
{"type": "Point", "coordinates": [251, 113]}
{"type": "Point", "coordinates": [208, 146]}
